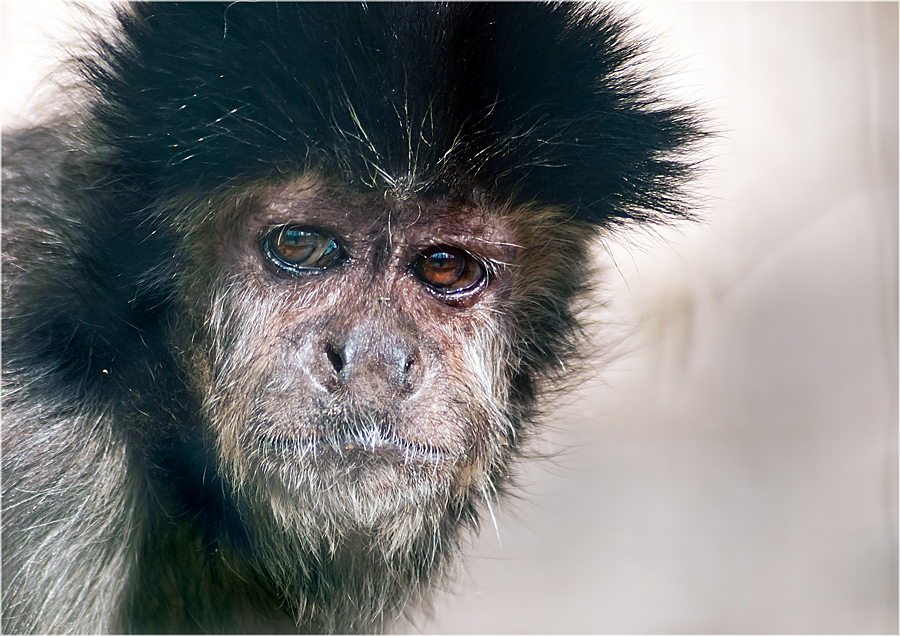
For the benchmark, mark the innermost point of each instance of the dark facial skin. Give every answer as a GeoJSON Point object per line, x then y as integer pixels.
{"type": "Point", "coordinates": [343, 332]}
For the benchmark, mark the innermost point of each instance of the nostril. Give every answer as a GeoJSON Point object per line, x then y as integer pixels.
{"type": "Point", "coordinates": [334, 357]}
{"type": "Point", "coordinates": [409, 371]}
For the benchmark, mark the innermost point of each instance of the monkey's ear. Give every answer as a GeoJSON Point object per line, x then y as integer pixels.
{"type": "Point", "coordinates": [533, 102]}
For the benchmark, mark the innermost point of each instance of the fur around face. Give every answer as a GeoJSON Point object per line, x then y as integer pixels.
{"type": "Point", "coordinates": [129, 368]}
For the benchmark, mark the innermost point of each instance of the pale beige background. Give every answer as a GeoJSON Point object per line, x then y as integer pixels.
{"type": "Point", "coordinates": [735, 470]}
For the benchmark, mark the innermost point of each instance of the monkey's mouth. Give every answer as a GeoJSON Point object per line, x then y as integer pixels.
{"type": "Point", "coordinates": [357, 445]}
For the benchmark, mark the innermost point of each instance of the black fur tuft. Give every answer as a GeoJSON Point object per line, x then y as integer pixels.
{"type": "Point", "coordinates": [532, 101]}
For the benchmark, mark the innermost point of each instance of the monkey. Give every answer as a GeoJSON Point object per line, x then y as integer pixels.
{"type": "Point", "coordinates": [282, 290]}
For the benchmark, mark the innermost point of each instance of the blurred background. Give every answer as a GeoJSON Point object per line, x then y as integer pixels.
{"type": "Point", "coordinates": [729, 461]}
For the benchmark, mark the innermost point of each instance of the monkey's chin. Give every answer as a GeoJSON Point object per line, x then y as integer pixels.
{"type": "Point", "coordinates": [329, 489]}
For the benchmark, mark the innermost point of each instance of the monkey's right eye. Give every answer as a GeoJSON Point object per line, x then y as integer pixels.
{"type": "Point", "coordinates": [297, 249]}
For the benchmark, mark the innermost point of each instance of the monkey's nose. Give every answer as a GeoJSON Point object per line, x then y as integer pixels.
{"type": "Point", "coordinates": [372, 366]}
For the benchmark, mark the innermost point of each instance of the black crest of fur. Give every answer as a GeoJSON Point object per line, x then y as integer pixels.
{"type": "Point", "coordinates": [536, 101]}
{"type": "Point", "coordinates": [532, 106]}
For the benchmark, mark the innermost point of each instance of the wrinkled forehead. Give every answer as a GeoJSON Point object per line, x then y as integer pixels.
{"type": "Point", "coordinates": [314, 201]}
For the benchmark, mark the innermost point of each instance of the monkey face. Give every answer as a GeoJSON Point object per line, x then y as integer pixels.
{"type": "Point", "coordinates": [354, 368]}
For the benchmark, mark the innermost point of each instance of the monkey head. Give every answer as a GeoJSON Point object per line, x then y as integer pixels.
{"type": "Point", "coordinates": [364, 362]}
{"type": "Point", "coordinates": [323, 260]}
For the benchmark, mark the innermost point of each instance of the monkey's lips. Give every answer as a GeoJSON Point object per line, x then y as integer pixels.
{"type": "Point", "coordinates": [356, 446]}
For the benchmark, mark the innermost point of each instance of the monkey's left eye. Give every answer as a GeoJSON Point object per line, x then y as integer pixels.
{"type": "Point", "coordinates": [448, 270]}
{"type": "Point", "coordinates": [297, 249]}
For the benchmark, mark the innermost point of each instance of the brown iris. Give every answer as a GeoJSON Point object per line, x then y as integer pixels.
{"type": "Point", "coordinates": [448, 270]}
{"type": "Point", "coordinates": [296, 249]}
